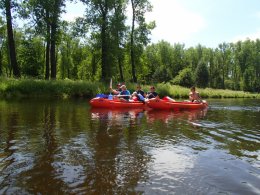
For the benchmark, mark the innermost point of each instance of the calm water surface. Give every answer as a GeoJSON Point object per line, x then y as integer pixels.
{"type": "Point", "coordinates": [65, 147]}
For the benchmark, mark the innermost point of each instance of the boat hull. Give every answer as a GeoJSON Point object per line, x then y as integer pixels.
{"type": "Point", "coordinates": [171, 105]}
{"type": "Point", "coordinates": [115, 104]}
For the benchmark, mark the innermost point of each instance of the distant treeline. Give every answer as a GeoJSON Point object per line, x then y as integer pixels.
{"type": "Point", "coordinates": [102, 45]}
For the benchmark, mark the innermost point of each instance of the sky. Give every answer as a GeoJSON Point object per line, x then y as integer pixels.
{"type": "Point", "coordinates": [193, 22]}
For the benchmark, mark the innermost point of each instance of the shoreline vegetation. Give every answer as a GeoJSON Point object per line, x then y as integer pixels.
{"type": "Point", "coordinates": [16, 88]}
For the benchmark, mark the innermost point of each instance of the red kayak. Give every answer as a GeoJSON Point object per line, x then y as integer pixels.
{"type": "Point", "coordinates": [118, 103]}
{"type": "Point", "coordinates": [164, 104]}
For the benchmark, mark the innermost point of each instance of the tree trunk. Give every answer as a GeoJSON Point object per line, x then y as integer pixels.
{"type": "Point", "coordinates": [1, 62]}
{"type": "Point", "coordinates": [47, 61]}
{"type": "Point", "coordinates": [120, 64]}
{"type": "Point", "coordinates": [93, 65]}
{"type": "Point", "coordinates": [104, 49]}
{"type": "Point", "coordinates": [11, 43]}
{"type": "Point", "coordinates": [132, 44]}
{"type": "Point", "coordinates": [53, 49]}
{"type": "Point", "coordinates": [47, 52]}
{"type": "Point", "coordinates": [223, 75]}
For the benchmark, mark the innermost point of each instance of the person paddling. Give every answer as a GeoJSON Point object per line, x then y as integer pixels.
{"type": "Point", "coordinates": [138, 97]}
{"type": "Point", "coordinates": [140, 91]}
{"type": "Point", "coordinates": [116, 91]}
{"type": "Point", "coordinates": [152, 94]}
{"type": "Point", "coordinates": [124, 94]}
{"type": "Point", "coordinates": [194, 96]}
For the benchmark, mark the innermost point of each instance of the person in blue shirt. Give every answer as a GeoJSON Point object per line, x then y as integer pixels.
{"type": "Point", "coordinates": [124, 94]}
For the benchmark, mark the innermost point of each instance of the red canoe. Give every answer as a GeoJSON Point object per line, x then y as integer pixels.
{"type": "Point", "coordinates": [106, 103]}
{"type": "Point", "coordinates": [175, 105]}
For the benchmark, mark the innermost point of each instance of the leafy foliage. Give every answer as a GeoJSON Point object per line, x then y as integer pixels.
{"type": "Point", "coordinates": [201, 75]}
{"type": "Point", "coordinates": [103, 45]}
{"type": "Point", "coordinates": [185, 78]}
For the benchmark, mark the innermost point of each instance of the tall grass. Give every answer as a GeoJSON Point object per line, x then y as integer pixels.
{"type": "Point", "coordinates": [182, 92]}
{"type": "Point", "coordinates": [57, 88]}
{"type": "Point", "coordinates": [68, 88]}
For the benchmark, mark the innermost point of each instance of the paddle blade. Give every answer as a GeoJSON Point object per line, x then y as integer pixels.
{"type": "Point", "coordinates": [110, 83]}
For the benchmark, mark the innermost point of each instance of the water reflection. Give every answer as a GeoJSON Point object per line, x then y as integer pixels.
{"type": "Point", "coordinates": [65, 147]}
{"type": "Point", "coordinates": [117, 115]}
{"type": "Point", "coordinates": [166, 116]}
{"type": "Point", "coordinates": [133, 117]}
{"type": "Point", "coordinates": [120, 161]}
{"type": "Point", "coordinates": [8, 148]}
{"type": "Point", "coordinates": [42, 175]}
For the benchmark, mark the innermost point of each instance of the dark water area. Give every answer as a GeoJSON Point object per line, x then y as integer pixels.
{"type": "Point", "coordinates": [67, 147]}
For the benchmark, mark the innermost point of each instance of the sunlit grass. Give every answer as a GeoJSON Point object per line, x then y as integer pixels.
{"type": "Point", "coordinates": [69, 88]}
{"type": "Point", "coordinates": [58, 88]}
{"type": "Point", "coordinates": [182, 92]}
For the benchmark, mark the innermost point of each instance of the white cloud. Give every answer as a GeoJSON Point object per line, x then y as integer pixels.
{"type": "Point", "coordinates": [174, 23]}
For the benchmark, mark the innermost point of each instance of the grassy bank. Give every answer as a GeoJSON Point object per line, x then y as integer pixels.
{"type": "Point", "coordinates": [43, 88]}
{"type": "Point", "coordinates": [69, 88]}
{"type": "Point", "coordinates": [181, 92]}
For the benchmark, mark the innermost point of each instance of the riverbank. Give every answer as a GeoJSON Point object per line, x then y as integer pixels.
{"type": "Point", "coordinates": [67, 89]}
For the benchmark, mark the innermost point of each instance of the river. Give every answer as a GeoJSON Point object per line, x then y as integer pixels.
{"type": "Point", "coordinates": [52, 146]}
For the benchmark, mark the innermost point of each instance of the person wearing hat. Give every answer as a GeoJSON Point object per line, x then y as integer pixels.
{"type": "Point", "coordinates": [116, 91]}
{"type": "Point", "coordinates": [152, 94]}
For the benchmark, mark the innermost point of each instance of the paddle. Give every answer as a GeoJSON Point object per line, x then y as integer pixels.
{"type": "Point", "coordinates": [110, 97]}
{"type": "Point", "coordinates": [123, 95]}
{"type": "Point", "coordinates": [110, 85]}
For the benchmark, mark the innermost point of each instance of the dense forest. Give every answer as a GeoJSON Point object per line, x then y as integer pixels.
{"type": "Point", "coordinates": [104, 44]}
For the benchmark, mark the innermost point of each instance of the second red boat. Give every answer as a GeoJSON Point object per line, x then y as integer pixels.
{"type": "Point", "coordinates": [175, 105]}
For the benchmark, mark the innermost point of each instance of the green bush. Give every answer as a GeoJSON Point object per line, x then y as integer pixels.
{"type": "Point", "coordinates": [184, 78]}
{"type": "Point", "coordinates": [69, 88]}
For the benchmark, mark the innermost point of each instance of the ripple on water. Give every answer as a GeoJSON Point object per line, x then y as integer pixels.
{"type": "Point", "coordinates": [237, 108]}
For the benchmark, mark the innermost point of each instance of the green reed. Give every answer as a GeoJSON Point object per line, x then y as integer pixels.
{"type": "Point", "coordinates": [69, 88]}
{"type": "Point", "coordinates": [182, 92]}
{"type": "Point", "coordinates": [57, 88]}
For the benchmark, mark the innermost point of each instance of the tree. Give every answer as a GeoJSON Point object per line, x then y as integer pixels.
{"type": "Point", "coordinates": [118, 32]}
{"type": "Point", "coordinates": [8, 5]}
{"type": "Point", "coordinates": [185, 78]}
{"type": "Point", "coordinates": [98, 16]}
{"type": "Point", "coordinates": [224, 60]}
{"type": "Point", "coordinates": [202, 75]}
{"type": "Point", "coordinates": [178, 61]}
{"type": "Point", "coordinates": [56, 10]}
{"type": "Point", "coordinates": [31, 56]}
{"type": "Point", "coordinates": [152, 61]}
{"type": "Point", "coordinates": [45, 14]}
{"type": "Point", "coordinates": [2, 36]}
{"type": "Point", "coordinates": [247, 80]}
{"type": "Point", "coordinates": [139, 31]}
{"type": "Point", "coordinates": [209, 57]}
